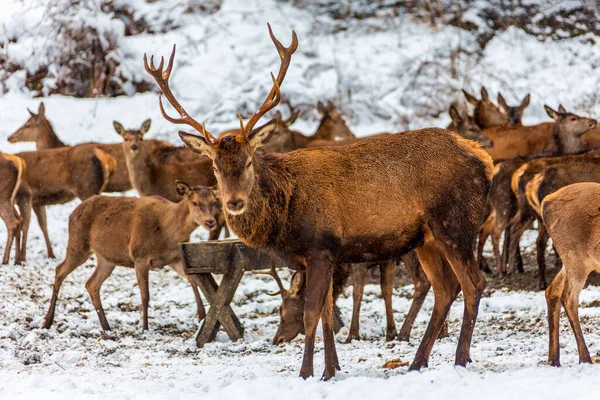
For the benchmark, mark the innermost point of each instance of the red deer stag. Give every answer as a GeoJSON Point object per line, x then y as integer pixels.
{"type": "Point", "coordinates": [136, 233]}
{"type": "Point", "coordinates": [571, 217]}
{"type": "Point", "coordinates": [307, 206]}
{"type": "Point", "coordinates": [12, 169]}
{"type": "Point", "coordinates": [38, 129]}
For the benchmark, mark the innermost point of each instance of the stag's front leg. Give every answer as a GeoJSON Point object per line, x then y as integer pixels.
{"type": "Point", "coordinates": [331, 359]}
{"type": "Point", "coordinates": [318, 280]}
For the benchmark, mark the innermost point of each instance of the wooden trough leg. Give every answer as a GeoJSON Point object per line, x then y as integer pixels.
{"type": "Point", "coordinates": [220, 312]}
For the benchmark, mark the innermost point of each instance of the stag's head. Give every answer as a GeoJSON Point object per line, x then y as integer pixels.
{"type": "Point", "coordinates": [203, 204]}
{"type": "Point", "coordinates": [291, 311]}
{"type": "Point", "coordinates": [132, 138]}
{"type": "Point", "coordinates": [570, 124]}
{"type": "Point", "coordinates": [514, 113]}
{"type": "Point", "coordinates": [232, 155]}
{"type": "Point", "coordinates": [33, 128]}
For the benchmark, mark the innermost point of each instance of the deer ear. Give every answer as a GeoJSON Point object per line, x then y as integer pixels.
{"type": "Point", "coordinates": [454, 114]}
{"type": "Point", "coordinates": [484, 94]}
{"type": "Point", "coordinates": [31, 113]}
{"type": "Point", "coordinates": [182, 188]}
{"type": "Point", "coordinates": [119, 128]}
{"type": "Point", "coordinates": [145, 126]}
{"type": "Point", "coordinates": [561, 109]}
{"type": "Point", "coordinates": [321, 107]}
{"type": "Point", "coordinates": [297, 283]}
{"type": "Point", "coordinates": [551, 113]}
{"type": "Point", "coordinates": [41, 109]}
{"type": "Point", "coordinates": [525, 102]}
{"type": "Point", "coordinates": [292, 118]}
{"type": "Point", "coordinates": [197, 144]}
{"type": "Point", "coordinates": [470, 98]}
{"type": "Point", "coordinates": [261, 135]}
{"type": "Point", "coordinates": [502, 103]}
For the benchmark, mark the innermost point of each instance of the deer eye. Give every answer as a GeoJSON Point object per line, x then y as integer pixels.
{"type": "Point", "coordinates": [249, 164]}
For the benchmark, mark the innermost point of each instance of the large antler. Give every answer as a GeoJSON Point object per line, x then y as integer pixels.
{"type": "Point", "coordinates": [162, 79]}
{"type": "Point", "coordinates": [274, 96]}
{"type": "Point", "coordinates": [273, 273]}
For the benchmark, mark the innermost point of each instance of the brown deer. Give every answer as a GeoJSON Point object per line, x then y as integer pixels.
{"type": "Point", "coordinates": [560, 137]}
{"type": "Point", "coordinates": [57, 176]}
{"type": "Point", "coordinates": [38, 129]}
{"type": "Point", "coordinates": [524, 215]}
{"type": "Point", "coordinates": [548, 181]}
{"type": "Point", "coordinates": [140, 233]}
{"type": "Point", "coordinates": [291, 311]}
{"type": "Point", "coordinates": [151, 178]}
{"type": "Point", "coordinates": [486, 114]}
{"type": "Point", "coordinates": [308, 207]}
{"type": "Point", "coordinates": [465, 125]}
{"type": "Point", "coordinates": [571, 217]}
{"type": "Point", "coordinates": [12, 169]}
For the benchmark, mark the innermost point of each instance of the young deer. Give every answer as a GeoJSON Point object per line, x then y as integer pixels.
{"type": "Point", "coordinates": [57, 176]}
{"type": "Point", "coordinates": [291, 311]}
{"type": "Point", "coordinates": [140, 233]}
{"type": "Point", "coordinates": [12, 169]}
{"type": "Point", "coordinates": [38, 129]}
{"type": "Point", "coordinates": [571, 217]}
{"type": "Point", "coordinates": [151, 178]}
{"type": "Point", "coordinates": [308, 207]}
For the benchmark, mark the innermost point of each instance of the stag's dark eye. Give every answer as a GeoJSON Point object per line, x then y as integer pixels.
{"type": "Point", "coordinates": [194, 204]}
{"type": "Point", "coordinates": [249, 164]}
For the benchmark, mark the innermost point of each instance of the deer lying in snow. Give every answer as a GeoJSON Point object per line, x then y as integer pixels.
{"type": "Point", "coordinates": [12, 169]}
{"type": "Point", "coordinates": [572, 217]}
{"type": "Point", "coordinates": [291, 311]}
{"type": "Point", "coordinates": [142, 233]}
{"type": "Point", "coordinates": [425, 190]}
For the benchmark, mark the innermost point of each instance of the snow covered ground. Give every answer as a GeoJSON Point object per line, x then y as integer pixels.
{"type": "Point", "coordinates": [222, 66]}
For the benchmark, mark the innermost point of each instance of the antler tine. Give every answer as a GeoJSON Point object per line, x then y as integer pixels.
{"type": "Point", "coordinates": [273, 272]}
{"type": "Point", "coordinates": [162, 79]}
{"type": "Point", "coordinates": [274, 96]}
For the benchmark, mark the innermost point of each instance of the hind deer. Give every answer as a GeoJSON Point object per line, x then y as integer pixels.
{"type": "Point", "coordinates": [571, 216]}
{"type": "Point", "coordinates": [465, 125]}
{"type": "Point", "coordinates": [39, 130]}
{"type": "Point", "coordinates": [12, 169]}
{"type": "Point", "coordinates": [486, 114]}
{"type": "Point", "coordinates": [140, 233]}
{"type": "Point", "coordinates": [307, 206]}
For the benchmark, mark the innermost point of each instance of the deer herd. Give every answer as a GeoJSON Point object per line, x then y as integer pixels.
{"type": "Point", "coordinates": [330, 205]}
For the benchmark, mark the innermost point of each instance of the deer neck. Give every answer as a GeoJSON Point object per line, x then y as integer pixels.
{"type": "Point", "coordinates": [178, 222]}
{"type": "Point", "coordinates": [268, 203]}
{"type": "Point", "coordinates": [139, 169]}
{"type": "Point", "coordinates": [47, 138]}
{"type": "Point", "coordinates": [566, 143]}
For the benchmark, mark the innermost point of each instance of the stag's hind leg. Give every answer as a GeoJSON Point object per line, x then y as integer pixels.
{"type": "Point", "coordinates": [75, 257]}
{"type": "Point", "coordinates": [445, 289]}
{"type": "Point", "coordinates": [422, 286]}
{"type": "Point", "coordinates": [575, 280]}
{"type": "Point", "coordinates": [553, 296]}
{"type": "Point", "coordinates": [359, 279]}
{"type": "Point", "coordinates": [388, 275]}
{"type": "Point", "coordinates": [103, 270]}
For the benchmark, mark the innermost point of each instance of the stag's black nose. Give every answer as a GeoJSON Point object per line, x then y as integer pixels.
{"type": "Point", "coordinates": [134, 147]}
{"type": "Point", "coordinates": [235, 205]}
{"type": "Point", "coordinates": [210, 223]}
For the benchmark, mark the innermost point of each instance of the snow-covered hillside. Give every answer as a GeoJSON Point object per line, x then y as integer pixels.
{"type": "Point", "coordinates": [387, 74]}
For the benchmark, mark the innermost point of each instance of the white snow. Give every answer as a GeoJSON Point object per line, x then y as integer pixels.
{"type": "Point", "coordinates": [222, 67]}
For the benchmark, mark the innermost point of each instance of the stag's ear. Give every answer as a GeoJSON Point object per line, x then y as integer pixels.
{"type": "Point", "coordinates": [561, 109]}
{"type": "Point", "coordinates": [145, 126]}
{"type": "Point", "coordinates": [484, 94]}
{"type": "Point", "coordinates": [454, 114]}
{"type": "Point", "coordinates": [553, 114]}
{"type": "Point", "coordinates": [321, 107]}
{"type": "Point", "coordinates": [292, 118]}
{"type": "Point", "coordinates": [41, 109]}
{"type": "Point", "coordinates": [31, 113]}
{"type": "Point", "coordinates": [261, 135]}
{"type": "Point", "coordinates": [182, 188]}
{"type": "Point", "coordinates": [502, 103]}
{"type": "Point", "coordinates": [525, 102]}
{"type": "Point", "coordinates": [197, 144]}
{"type": "Point", "coordinates": [119, 128]}
{"type": "Point", "coordinates": [470, 98]}
{"type": "Point", "coordinates": [297, 283]}
{"type": "Point", "coordinates": [330, 106]}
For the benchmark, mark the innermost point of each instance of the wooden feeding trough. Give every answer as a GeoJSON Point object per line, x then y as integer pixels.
{"type": "Point", "coordinates": [230, 258]}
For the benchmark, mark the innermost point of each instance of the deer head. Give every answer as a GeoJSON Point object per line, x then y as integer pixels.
{"type": "Point", "coordinates": [203, 203]}
{"type": "Point", "coordinates": [33, 129]}
{"type": "Point", "coordinates": [132, 138]}
{"type": "Point", "coordinates": [463, 123]}
{"type": "Point", "coordinates": [291, 311]}
{"type": "Point", "coordinates": [232, 155]}
{"type": "Point", "coordinates": [486, 113]}
{"type": "Point", "coordinates": [569, 124]}
{"type": "Point", "coordinates": [515, 113]}
{"type": "Point", "coordinates": [332, 125]}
